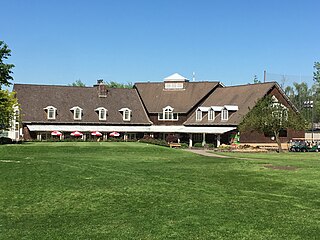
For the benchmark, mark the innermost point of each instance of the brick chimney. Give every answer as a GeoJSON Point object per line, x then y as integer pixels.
{"type": "Point", "coordinates": [102, 88]}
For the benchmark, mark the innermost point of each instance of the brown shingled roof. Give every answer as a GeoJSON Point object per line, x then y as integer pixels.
{"type": "Point", "coordinates": [156, 98]}
{"type": "Point", "coordinates": [244, 97]}
{"type": "Point", "coordinates": [34, 98]}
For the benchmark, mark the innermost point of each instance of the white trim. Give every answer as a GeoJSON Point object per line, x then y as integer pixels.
{"type": "Point", "coordinates": [54, 113]}
{"type": "Point", "coordinates": [198, 115]}
{"type": "Point", "coordinates": [231, 107]}
{"type": "Point", "coordinates": [224, 115]}
{"type": "Point", "coordinates": [176, 77]}
{"type": "Point", "coordinates": [146, 129]}
{"type": "Point", "coordinates": [211, 115]}
{"type": "Point", "coordinates": [100, 110]}
{"type": "Point", "coordinates": [75, 109]}
{"type": "Point", "coordinates": [217, 108]}
{"type": "Point", "coordinates": [168, 114]}
{"type": "Point", "coordinates": [204, 109]}
{"type": "Point", "coordinates": [126, 114]}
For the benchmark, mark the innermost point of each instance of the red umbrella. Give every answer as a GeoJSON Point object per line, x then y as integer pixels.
{"type": "Point", "coordinates": [56, 133]}
{"type": "Point", "coordinates": [114, 134]}
{"type": "Point", "coordinates": [96, 133]}
{"type": "Point", "coordinates": [76, 134]}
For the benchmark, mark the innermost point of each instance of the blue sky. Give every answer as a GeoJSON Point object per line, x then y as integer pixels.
{"type": "Point", "coordinates": [58, 42]}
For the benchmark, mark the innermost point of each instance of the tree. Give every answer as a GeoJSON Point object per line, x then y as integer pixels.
{"type": "Point", "coordinates": [77, 83]}
{"type": "Point", "coordinates": [113, 84]}
{"type": "Point", "coordinates": [270, 116]}
{"type": "Point", "coordinates": [7, 99]}
{"type": "Point", "coordinates": [5, 69]}
{"type": "Point", "coordinates": [255, 79]}
{"type": "Point", "coordinates": [316, 73]}
{"type": "Point", "coordinates": [7, 102]}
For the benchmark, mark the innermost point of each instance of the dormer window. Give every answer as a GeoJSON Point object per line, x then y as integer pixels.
{"type": "Point", "coordinates": [174, 82]}
{"type": "Point", "coordinates": [77, 113]}
{"type": "Point", "coordinates": [211, 115]}
{"type": "Point", "coordinates": [168, 114]}
{"type": "Point", "coordinates": [198, 115]}
{"type": "Point", "coordinates": [126, 114]}
{"type": "Point", "coordinates": [51, 112]}
{"type": "Point", "coordinates": [224, 114]}
{"type": "Point", "coordinates": [102, 113]}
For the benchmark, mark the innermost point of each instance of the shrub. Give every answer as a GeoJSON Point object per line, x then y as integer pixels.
{"type": "Point", "coordinates": [198, 145]}
{"type": "Point", "coordinates": [184, 145]}
{"type": "Point", "coordinates": [153, 141]}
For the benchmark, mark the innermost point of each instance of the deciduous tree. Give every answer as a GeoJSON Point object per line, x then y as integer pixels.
{"type": "Point", "coordinates": [270, 116]}
{"type": "Point", "coordinates": [78, 83]}
{"type": "Point", "coordinates": [7, 99]}
{"type": "Point", "coordinates": [7, 102]}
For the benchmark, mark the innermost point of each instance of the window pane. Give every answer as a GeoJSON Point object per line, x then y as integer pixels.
{"type": "Point", "coordinates": [77, 114]}
{"type": "Point", "coordinates": [51, 113]}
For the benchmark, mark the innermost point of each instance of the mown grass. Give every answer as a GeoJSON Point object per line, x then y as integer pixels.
{"type": "Point", "coordinates": [140, 191]}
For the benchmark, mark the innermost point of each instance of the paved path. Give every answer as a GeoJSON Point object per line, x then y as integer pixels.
{"type": "Point", "coordinates": [205, 153]}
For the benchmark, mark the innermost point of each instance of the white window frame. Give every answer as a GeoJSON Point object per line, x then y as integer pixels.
{"type": "Point", "coordinates": [173, 85]}
{"type": "Point", "coordinates": [53, 110]}
{"type": "Point", "coordinates": [168, 114]}
{"type": "Point", "coordinates": [224, 114]}
{"type": "Point", "coordinates": [198, 115]}
{"type": "Point", "coordinates": [211, 115]}
{"type": "Point", "coordinates": [102, 112]}
{"type": "Point", "coordinates": [126, 114]}
{"type": "Point", "coordinates": [77, 110]}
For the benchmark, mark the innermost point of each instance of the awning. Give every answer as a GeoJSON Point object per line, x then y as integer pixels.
{"type": "Point", "coordinates": [133, 129]}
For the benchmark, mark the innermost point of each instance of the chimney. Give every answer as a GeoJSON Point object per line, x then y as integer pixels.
{"type": "Point", "coordinates": [102, 88]}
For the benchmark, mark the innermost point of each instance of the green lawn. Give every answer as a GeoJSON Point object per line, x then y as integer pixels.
{"type": "Point", "coordinates": [139, 191]}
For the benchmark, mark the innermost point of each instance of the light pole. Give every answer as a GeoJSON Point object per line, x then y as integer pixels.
{"type": "Point", "coordinates": [309, 104]}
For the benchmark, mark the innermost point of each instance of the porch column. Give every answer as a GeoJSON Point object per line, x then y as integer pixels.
{"type": "Point", "coordinates": [203, 139]}
{"type": "Point", "coordinates": [125, 137]}
{"type": "Point", "coordinates": [105, 136]}
{"type": "Point", "coordinates": [152, 135]}
{"type": "Point", "coordinates": [190, 140]}
{"type": "Point", "coordinates": [39, 136]}
{"type": "Point", "coordinates": [218, 140]}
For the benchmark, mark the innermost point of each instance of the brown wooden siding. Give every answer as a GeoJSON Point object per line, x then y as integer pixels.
{"type": "Point", "coordinates": [256, 137]}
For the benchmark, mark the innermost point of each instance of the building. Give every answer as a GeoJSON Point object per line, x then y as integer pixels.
{"type": "Point", "coordinates": [206, 112]}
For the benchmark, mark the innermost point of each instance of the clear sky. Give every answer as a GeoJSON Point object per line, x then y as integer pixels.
{"type": "Point", "coordinates": [60, 41]}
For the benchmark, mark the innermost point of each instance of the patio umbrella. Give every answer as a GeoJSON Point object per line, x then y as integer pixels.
{"type": "Point", "coordinates": [96, 133]}
{"type": "Point", "coordinates": [76, 134]}
{"type": "Point", "coordinates": [56, 133]}
{"type": "Point", "coordinates": [114, 134]}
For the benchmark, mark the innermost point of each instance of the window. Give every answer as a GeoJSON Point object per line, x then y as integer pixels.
{"type": "Point", "coordinates": [102, 112]}
{"type": "Point", "coordinates": [224, 114]}
{"type": "Point", "coordinates": [198, 115]}
{"type": "Point", "coordinates": [77, 113]}
{"type": "Point", "coordinates": [126, 114]}
{"type": "Point", "coordinates": [211, 115]}
{"type": "Point", "coordinates": [51, 112]}
{"type": "Point", "coordinates": [173, 86]}
{"type": "Point", "coordinates": [168, 114]}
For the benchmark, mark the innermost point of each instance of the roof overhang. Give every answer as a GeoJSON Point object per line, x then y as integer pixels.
{"type": "Point", "coordinates": [146, 129]}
